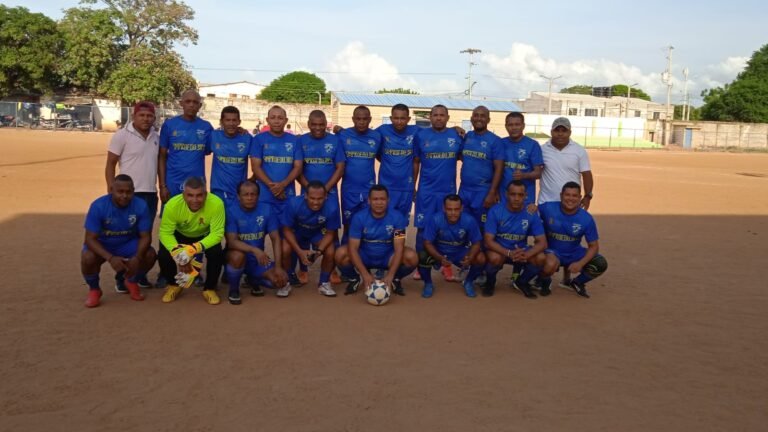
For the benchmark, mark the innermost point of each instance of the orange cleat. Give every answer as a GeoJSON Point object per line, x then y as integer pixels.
{"type": "Point", "coordinates": [94, 296]}
{"type": "Point", "coordinates": [303, 277]}
{"type": "Point", "coordinates": [448, 273]}
{"type": "Point", "coordinates": [134, 290]}
{"type": "Point", "coordinates": [335, 279]}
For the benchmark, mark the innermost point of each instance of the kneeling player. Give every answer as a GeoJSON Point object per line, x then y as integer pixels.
{"type": "Point", "coordinates": [377, 241]}
{"type": "Point", "coordinates": [451, 237]}
{"type": "Point", "coordinates": [565, 223]}
{"type": "Point", "coordinates": [248, 223]}
{"type": "Point", "coordinates": [309, 224]}
{"type": "Point", "coordinates": [118, 231]}
{"type": "Point", "coordinates": [507, 228]}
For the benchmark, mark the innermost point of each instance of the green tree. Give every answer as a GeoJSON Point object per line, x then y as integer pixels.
{"type": "Point", "coordinates": [621, 90]}
{"type": "Point", "coordinates": [398, 90]}
{"type": "Point", "coordinates": [30, 47]}
{"type": "Point", "coordinates": [695, 113]}
{"type": "Point", "coordinates": [746, 98]}
{"type": "Point", "coordinates": [143, 74]}
{"type": "Point", "coordinates": [92, 47]}
{"type": "Point", "coordinates": [578, 89]}
{"type": "Point", "coordinates": [295, 87]}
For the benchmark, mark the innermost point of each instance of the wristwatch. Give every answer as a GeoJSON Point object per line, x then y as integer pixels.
{"type": "Point", "coordinates": [589, 195]}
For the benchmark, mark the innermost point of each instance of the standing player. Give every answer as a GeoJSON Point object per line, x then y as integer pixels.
{"type": "Point", "coordinates": [522, 157]}
{"type": "Point", "coordinates": [566, 223]}
{"type": "Point", "coordinates": [451, 237]}
{"type": "Point", "coordinates": [192, 224]}
{"type": "Point", "coordinates": [309, 223]}
{"type": "Point", "coordinates": [230, 151]}
{"type": "Point", "coordinates": [118, 230]}
{"type": "Point", "coordinates": [248, 224]}
{"type": "Point", "coordinates": [396, 157]}
{"type": "Point", "coordinates": [507, 228]}
{"type": "Point", "coordinates": [435, 154]}
{"type": "Point", "coordinates": [135, 149]}
{"type": "Point", "coordinates": [377, 241]}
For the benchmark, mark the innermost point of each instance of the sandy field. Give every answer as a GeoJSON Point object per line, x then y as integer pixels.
{"type": "Point", "coordinates": [673, 338]}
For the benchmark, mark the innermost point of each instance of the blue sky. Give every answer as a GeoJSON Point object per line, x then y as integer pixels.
{"type": "Point", "coordinates": [364, 46]}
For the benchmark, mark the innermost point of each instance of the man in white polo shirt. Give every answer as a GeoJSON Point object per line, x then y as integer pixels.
{"type": "Point", "coordinates": [564, 161]}
{"type": "Point", "coordinates": [135, 149]}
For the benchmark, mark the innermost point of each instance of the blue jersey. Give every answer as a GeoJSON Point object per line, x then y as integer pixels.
{"type": "Point", "coordinates": [396, 169]}
{"type": "Point", "coordinates": [564, 231]}
{"type": "Point", "coordinates": [230, 161]}
{"type": "Point", "coordinates": [377, 235]}
{"type": "Point", "coordinates": [116, 225]}
{"type": "Point", "coordinates": [438, 152]}
{"type": "Point", "coordinates": [321, 156]}
{"type": "Point", "coordinates": [511, 229]}
{"type": "Point", "coordinates": [307, 223]}
{"type": "Point", "coordinates": [360, 150]}
{"type": "Point", "coordinates": [478, 154]}
{"type": "Point", "coordinates": [186, 142]}
{"type": "Point", "coordinates": [277, 155]}
{"type": "Point", "coordinates": [450, 238]}
{"type": "Point", "coordinates": [251, 226]}
{"type": "Point", "coordinates": [523, 155]}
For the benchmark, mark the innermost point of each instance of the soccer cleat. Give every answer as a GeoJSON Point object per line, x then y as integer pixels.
{"type": "Point", "coordinates": [579, 288]}
{"type": "Point", "coordinates": [94, 296]}
{"type": "Point", "coordinates": [285, 291]}
{"type": "Point", "coordinates": [200, 280]}
{"type": "Point", "coordinates": [143, 282]}
{"type": "Point", "coordinates": [303, 277]}
{"type": "Point", "coordinates": [352, 287]}
{"type": "Point", "coordinates": [256, 291]}
{"type": "Point", "coordinates": [525, 288]}
{"type": "Point", "coordinates": [399, 290]}
{"type": "Point", "coordinates": [488, 290]}
{"type": "Point", "coordinates": [120, 287]}
{"type": "Point", "coordinates": [326, 289]}
{"type": "Point", "coordinates": [161, 282]}
{"type": "Point", "coordinates": [211, 297]}
{"type": "Point", "coordinates": [447, 273]}
{"type": "Point", "coordinates": [545, 287]}
{"type": "Point", "coordinates": [480, 280]}
{"type": "Point", "coordinates": [427, 291]}
{"type": "Point", "coordinates": [565, 283]}
{"type": "Point", "coordinates": [469, 289]}
{"type": "Point", "coordinates": [416, 275]}
{"type": "Point", "coordinates": [293, 279]}
{"type": "Point", "coordinates": [135, 291]}
{"type": "Point", "coordinates": [234, 299]}
{"type": "Point", "coordinates": [335, 279]}
{"type": "Point", "coordinates": [171, 292]}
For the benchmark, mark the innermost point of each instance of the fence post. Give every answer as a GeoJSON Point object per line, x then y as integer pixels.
{"type": "Point", "coordinates": [634, 138]}
{"type": "Point", "coordinates": [610, 136]}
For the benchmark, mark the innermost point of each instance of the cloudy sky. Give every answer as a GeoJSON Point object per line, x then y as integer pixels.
{"type": "Point", "coordinates": [365, 46]}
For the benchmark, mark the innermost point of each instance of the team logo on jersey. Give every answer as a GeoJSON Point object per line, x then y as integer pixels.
{"type": "Point", "coordinates": [288, 147]}
{"type": "Point", "coordinates": [451, 142]}
{"type": "Point", "coordinates": [551, 221]}
{"type": "Point", "coordinates": [390, 229]}
{"type": "Point", "coordinates": [328, 148]}
{"type": "Point", "coordinates": [218, 146]}
{"type": "Point", "coordinates": [241, 147]}
{"type": "Point", "coordinates": [108, 221]}
{"type": "Point", "coordinates": [201, 221]}
{"type": "Point", "coordinates": [321, 219]}
{"type": "Point", "coordinates": [176, 133]}
{"type": "Point", "coordinates": [483, 144]}
{"type": "Point", "coordinates": [347, 214]}
{"type": "Point", "coordinates": [525, 224]}
{"type": "Point", "coordinates": [349, 141]}
{"type": "Point", "coordinates": [372, 143]}
{"type": "Point", "coordinates": [409, 139]}
{"type": "Point", "coordinates": [462, 233]}
{"type": "Point", "coordinates": [420, 217]}
{"type": "Point", "coordinates": [200, 133]}
{"type": "Point", "coordinates": [576, 228]}
{"type": "Point", "coordinates": [260, 220]}
{"type": "Point", "coordinates": [521, 154]}
{"type": "Point", "coordinates": [132, 219]}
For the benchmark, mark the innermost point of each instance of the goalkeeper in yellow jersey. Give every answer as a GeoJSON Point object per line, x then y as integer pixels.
{"type": "Point", "coordinates": [192, 225]}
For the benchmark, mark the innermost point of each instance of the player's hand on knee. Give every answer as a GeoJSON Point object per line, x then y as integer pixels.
{"type": "Point", "coordinates": [183, 254]}
{"type": "Point", "coordinates": [117, 263]}
{"type": "Point", "coordinates": [280, 276]}
{"type": "Point", "coordinates": [261, 257]}
{"type": "Point", "coordinates": [367, 279]}
{"type": "Point", "coordinates": [575, 268]}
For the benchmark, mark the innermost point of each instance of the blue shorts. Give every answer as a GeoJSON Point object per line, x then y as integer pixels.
{"type": "Point", "coordinates": [455, 256]}
{"type": "Point", "coordinates": [351, 203]}
{"type": "Point", "coordinates": [401, 201]}
{"type": "Point", "coordinates": [228, 197]}
{"type": "Point", "coordinates": [379, 262]}
{"type": "Point", "coordinates": [567, 259]}
{"type": "Point", "coordinates": [305, 242]}
{"type": "Point", "coordinates": [473, 204]}
{"type": "Point", "coordinates": [252, 267]}
{"type": "Point", "coordinates": [428, 203]}
{"type": "Point", "coordinates": [125, 250]}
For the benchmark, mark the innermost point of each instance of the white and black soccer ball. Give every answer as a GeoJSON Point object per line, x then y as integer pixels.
{"type": "Point", "coordinates": [378, 293]}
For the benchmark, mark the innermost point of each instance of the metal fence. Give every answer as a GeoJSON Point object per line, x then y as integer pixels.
{"type": "Point", "coordinates": [47, 116]}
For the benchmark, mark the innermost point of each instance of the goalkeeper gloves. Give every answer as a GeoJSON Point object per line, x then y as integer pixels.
{"type": "Point", "coordinates": [183, 254]}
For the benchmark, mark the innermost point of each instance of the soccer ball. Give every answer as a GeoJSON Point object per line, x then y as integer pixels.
{"type": "Point", "coordinates": [377, 293]}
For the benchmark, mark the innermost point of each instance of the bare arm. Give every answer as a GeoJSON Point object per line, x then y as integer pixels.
{"type": "Point", "coordinates": [493, 194]}
{"type": "Point", "coordinates": [290, 237]}
{"type": "Point", "coordinates": [234, 243]}
{"type": "Point", "coordinates": [592, 249]}
{"type": "Point", "coordinates": [162, 159]}
{"type": "Point", "coordinates": [353, 247]}
{"type": "Point", "coordinates": [334, 180]}
{"type": "Point", "coordinates": [397, 258]}
{"type": "Point", "coordinates": [109, 170]}
{"type": "Point", "coordinates": [258, 171]}
{"type": "Point", "coordinates": [277, 248]}
{"type": "Point", "coordinates": [434, 253]}
{"type": "Point", "coordinates": [94, 245]}
{"type": "Point", "coordinates": [416, 166]}
{"type": "Point", "coordinates": [588, 183]}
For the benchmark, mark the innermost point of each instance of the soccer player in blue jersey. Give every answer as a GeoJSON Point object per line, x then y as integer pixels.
{"type": "Point", "coordinates": [249, 222]}
{"type": "Point", "coordinates": [118, 230]}
{"type": "Point", "coordinates": [324, 158]}
{"type": "Point", "coordinates": [309, 223]}
{"type": "Point", "coordinates": [451, 237]}
{"type": "Point", "coordinates": [361, 145]}
{"type": "Point", "coordinates": [396, 157]}
{"type": "Point", "coordinates": [482, 165]}
{"type": "Point", "coordinates": [435, 154]}
{"type": "Point", "coordinates": [230, 151]}
{"type": "Point", "coordinates": [566, 223]}
{"type": "Point", "coordinates": [522, 157]}
{"type": "Point", "coordinates": [507, 228]}
{"type": "Point", "coordinates": [377, 241]}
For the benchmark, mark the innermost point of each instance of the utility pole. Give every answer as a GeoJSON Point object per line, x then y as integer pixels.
{"type": "Point", "coordinates": [685, 94]}
{"type": "Point", "coordinates": [629, 89]}
{"type": "Point", "coordinates": [549, 98]}
{"type": "Point", "coordinates": [666, 78]}
{"type": "Point", "coordinates": [471, 52]}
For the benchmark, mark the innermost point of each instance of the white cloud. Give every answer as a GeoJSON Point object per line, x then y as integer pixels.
{"type": "Point", "coordinates": [355, 69]}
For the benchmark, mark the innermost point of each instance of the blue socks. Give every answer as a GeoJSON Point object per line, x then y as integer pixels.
{"type": "Point", "coordinates": [92, 281]}
{"type": "Point", "coordinates": [325, 277]}
{"type": "Point", "coordinates": [426, 274]}
{"type": "Point", "coordinates": [233, 278]}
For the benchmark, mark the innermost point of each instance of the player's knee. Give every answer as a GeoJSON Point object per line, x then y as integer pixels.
{"type": "Point", "coordinates": [235, 258]}
{"type": "Point", "coordinates": [410, 257]}
{"type": "Point", "coordinates": [425, 260]}
{"type": "Point", "coordinates": [89, 258]}
{"type": "Point", "coordinates": [330, 250]}
{"type": "Point", "coordinates": [596, 266]}
{"type": "Point", "coordinates": [495, 259]}
{"type": "Point", "coordinates": [479, 259]}
{"type": "Point", "coordinates": [342, 255]}
{"type": "Point", "coordinates": [539, 260]}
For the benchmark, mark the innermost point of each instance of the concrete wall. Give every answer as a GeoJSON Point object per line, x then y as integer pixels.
{"type": "Point", "coordinates": [722, 134]}
{"type": "Point", "coordinates": [250, 90]}
{"type": "Point", "coordinates": [106, 115]}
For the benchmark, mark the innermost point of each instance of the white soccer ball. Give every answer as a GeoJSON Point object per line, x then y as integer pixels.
{"type": "Point", "coordinates": [378, 293]}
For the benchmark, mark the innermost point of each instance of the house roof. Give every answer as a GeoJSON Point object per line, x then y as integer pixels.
{"type": "Point", "coordinates": [418, 101]}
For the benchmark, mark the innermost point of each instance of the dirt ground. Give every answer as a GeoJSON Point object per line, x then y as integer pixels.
{"type": "Point", "coordinates": [673, 338]}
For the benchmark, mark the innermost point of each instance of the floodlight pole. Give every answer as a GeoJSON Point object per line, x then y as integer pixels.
{"type": "Point", "coordinates": [471, 52]}
{"type": "Point", "coordinates": [549, 98]}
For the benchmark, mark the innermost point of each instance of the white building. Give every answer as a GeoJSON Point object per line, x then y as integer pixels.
{"type": "Point", "coordinates": [566, 104]}
{"type": "Point", "coordinates": [236, 90]}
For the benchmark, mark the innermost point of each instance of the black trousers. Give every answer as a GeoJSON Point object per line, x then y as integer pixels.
{"type": "Point", "coordinates": [214, 261]}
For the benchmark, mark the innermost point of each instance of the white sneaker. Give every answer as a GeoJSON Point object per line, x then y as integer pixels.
{"type": "Point", "coordinates": [326, 289]}
{"type": "Point", "coordinates": [284, 291]}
